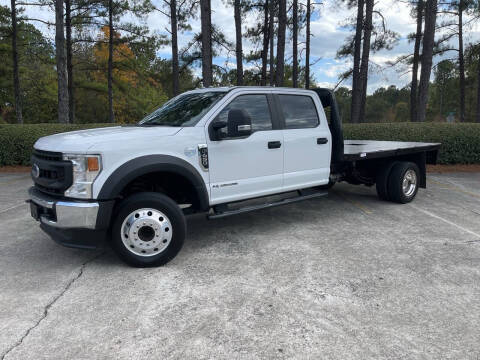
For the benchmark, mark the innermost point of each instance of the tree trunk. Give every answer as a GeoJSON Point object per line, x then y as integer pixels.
{"type": "Point", "coordinates": [282, 26]}
{"type": "Point", "coordinates": [356, 89]}
{"type": "Point", "coordinates": [295, 43]}
{"type": "Point", "coordinates": [111, 115]}
{"type": "Point", "coordinates": [478, 91]}
{"type": "Point", "coordinates": [461, 60]}
{"type": "Point", "coordinates": [205, 14]}
{"type": "Point", "coordinates": [174, 30]}
{"type": "Point", "coordinates": [71, 95]}
{"type": "Point", "coordinates": [16, 77]}
{"type": "Point", "coordinates": [307, 48]}
{"type": "Point", "coordinates": [416, 58]}
{"type": "Point", "coordinates": [238, 41]}
{"type": "Point", "coordinates": [61, 64]}
{"type": "Point", "coordinates": [363, 79]}
{"type": "Point", "coordinates": [427, 54]}
{"type": "Point", "coordinates": [442, 91]}
{"type": "Point", "coordinates": [263, 80]}
{"type": "Point", "coordinates": [271, 35]}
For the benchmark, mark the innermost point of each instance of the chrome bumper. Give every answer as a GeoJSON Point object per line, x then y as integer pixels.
{"type": "Point", "coordinates": [65, 214]}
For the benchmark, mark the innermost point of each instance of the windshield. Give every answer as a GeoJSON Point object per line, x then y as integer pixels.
{"type": "Point", "coordinates": [183, 110]}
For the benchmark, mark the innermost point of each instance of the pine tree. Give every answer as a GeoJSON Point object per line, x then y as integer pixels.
{"type": "Point", "coordinates": [206, 20]}
{"type": "Point", "coordinates": [427, 55]}
{"type": "Point", "coordinates": [16, 77]}
{"type": "Point", "coordinates": [61, 63]}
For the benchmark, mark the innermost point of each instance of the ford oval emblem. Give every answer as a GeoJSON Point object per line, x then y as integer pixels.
{"type": "Point", "coordinates": [35, 171]}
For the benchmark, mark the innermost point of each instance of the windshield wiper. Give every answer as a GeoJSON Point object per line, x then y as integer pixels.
{"type": "Point", "coordinates": [150, 124]}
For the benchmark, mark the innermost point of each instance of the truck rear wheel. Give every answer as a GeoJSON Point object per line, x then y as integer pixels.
{"type": "Point", "coordinates": [403, 182]}
{"type": "Point", "coordinates": [149, 229]}
{"type": "Point", "coordinates": [381, 182]}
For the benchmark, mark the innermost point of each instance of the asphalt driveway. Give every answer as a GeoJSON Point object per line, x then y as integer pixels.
{"type": "Point", "coordinates": [342, 277]}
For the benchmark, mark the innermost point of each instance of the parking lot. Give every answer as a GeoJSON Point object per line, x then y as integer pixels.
{"type": "Point", "coordinates": [342, 277]}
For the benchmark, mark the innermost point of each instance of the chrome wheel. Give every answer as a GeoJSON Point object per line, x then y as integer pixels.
{"type": "Point", "coordinates": [146, 232]}
{"type": "Point", "coordinates": [409, 184]}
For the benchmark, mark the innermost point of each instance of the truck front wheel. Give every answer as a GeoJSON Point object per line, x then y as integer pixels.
{"type": "Point", "coordinates": [148, 230]}
{"type": "Point", "coordinates": [403, 182]}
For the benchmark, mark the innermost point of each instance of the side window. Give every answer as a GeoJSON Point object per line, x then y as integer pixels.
{"type": "Point", "coordinates": [299, 111]}
{"type": "Point", "coordinates": [256, 107]}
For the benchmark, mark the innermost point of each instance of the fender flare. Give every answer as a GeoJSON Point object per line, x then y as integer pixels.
{"type": "Point", "coordinates": [134, 168]}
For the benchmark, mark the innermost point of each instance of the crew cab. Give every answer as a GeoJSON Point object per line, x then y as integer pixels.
{"type": "Point", "coordinates": [207, 151]}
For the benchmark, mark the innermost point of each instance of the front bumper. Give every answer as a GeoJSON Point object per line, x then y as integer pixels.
{"type": "Point", "coordinates": [72, 223]}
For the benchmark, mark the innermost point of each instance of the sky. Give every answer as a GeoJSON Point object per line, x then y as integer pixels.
{"type": "Point", "coordinates": [328, 34]}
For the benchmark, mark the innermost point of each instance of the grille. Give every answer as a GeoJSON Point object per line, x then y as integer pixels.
{"type": "Point", "coordinates": [47, 155]}
{"type": "Point", "coordinates": [48, 190]}
{"type": "Point", "coordinates": [55, 175]}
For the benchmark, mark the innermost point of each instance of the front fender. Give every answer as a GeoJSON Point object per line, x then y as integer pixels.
{"type": "Point", "coordinates": [143, 165]}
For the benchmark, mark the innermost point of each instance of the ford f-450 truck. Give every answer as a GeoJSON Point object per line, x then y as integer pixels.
{"type": "Point", "coordinates": [210, 150]}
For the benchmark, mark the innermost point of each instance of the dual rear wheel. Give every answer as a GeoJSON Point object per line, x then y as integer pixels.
{"type": "Point", "coordinates": [398, 182]}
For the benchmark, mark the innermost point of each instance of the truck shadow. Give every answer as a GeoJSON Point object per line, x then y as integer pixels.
{"type": "Point", "coordinates": [238, 231]}
{"type": "Point", "coordinates": [277, 221]}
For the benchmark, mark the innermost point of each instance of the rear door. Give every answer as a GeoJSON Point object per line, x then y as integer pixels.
{"type": "Point", "coordinates": [250, 166]}
{"type": "Point", "coordinates": [307, 140]}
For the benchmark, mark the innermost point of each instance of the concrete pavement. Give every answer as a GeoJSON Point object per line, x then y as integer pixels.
{"type": "Point", "coordinates": [342, 277]}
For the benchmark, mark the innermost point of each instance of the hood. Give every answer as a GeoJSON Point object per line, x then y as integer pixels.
{"type": "Point", "coordinates": [83, 140]}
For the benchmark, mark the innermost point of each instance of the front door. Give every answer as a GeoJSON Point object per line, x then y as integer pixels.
{"type": "Point", "coordinates": [247, 166]}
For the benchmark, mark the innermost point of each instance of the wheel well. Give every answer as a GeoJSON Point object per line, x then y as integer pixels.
{"type": "Point", "coordinates": [366, 171]}
{"type": "Point", "coordinates": [174, 185]}
{"type": "Point", "coordinates": [420, 160]}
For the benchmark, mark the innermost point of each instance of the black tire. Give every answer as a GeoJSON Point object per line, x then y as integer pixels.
{"type": "Point", "coordinates": [158, 202]}
{"type": "Point", "coordinates": [395, 182]}
{"type": "Point", "coordinates": [381, 182]}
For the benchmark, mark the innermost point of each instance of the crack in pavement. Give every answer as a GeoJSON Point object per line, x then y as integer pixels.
{"type": "Point", "coordinates": [49, 305]}
{"type": "Point", "coordinates": [11, 207]}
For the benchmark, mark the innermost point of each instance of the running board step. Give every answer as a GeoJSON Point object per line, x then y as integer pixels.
{"type": "Point", "coordinates": [230, 212]}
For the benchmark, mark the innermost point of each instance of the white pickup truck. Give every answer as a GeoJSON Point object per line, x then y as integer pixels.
{"type": "Point", "coordinates": [210, 150]}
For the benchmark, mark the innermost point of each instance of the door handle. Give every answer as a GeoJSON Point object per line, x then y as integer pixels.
{"type": "Point", "coordinates": [274, 144]}
{"type": "Point", "coordinates": [321, 141]}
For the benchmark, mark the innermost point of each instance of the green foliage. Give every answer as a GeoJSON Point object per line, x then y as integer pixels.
{"type": "Point", "coordinates": [141, 80]}
{"type": "Point", "coordinates": [253, 76]}
{"type": "Point", "coordinates": [385, 105]}
{"type": "Point", "coordinates": [444, 92]}
{"type": "Point", "coordinates": [460, 142]}
{"type": "Point", "coordinates": [37, 73]}
{"type": "Point", "coordinates": [161, 71]}
{"type": "Point", "coordinates": [382, 105]}
{"type": "Point", "coordinates": [344, 101]}
{"type": "Point", "coordinates": [16, 141]}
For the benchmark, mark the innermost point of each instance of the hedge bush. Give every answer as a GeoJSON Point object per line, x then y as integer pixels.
{"type": "Point", "coordinates": [460, 142]}
{"type": "Point", "coordinates": [16, 141]}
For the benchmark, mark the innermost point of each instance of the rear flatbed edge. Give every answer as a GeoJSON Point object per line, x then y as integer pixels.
{"type": "Point", "coordinates": [374, 149]}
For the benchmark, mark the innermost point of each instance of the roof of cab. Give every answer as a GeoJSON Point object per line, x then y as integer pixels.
{"type": "Point", "coordinates": [230, 88]}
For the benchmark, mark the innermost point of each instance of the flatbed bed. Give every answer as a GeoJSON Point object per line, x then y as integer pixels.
{"type": "Point", "coordinates": [372, 149]}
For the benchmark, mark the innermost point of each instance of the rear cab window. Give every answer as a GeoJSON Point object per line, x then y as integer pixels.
{"type": "Point", "coordinates": [299, 111]}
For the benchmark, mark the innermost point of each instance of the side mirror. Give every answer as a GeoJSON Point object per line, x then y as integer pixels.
{"type": "Point", "coordinates": [239, 123]}
{"type": "Point", "coordinates": [214, 130]}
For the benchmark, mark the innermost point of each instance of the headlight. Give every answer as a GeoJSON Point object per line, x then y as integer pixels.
{"type": "Point", "coordinates": [85, 169]}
